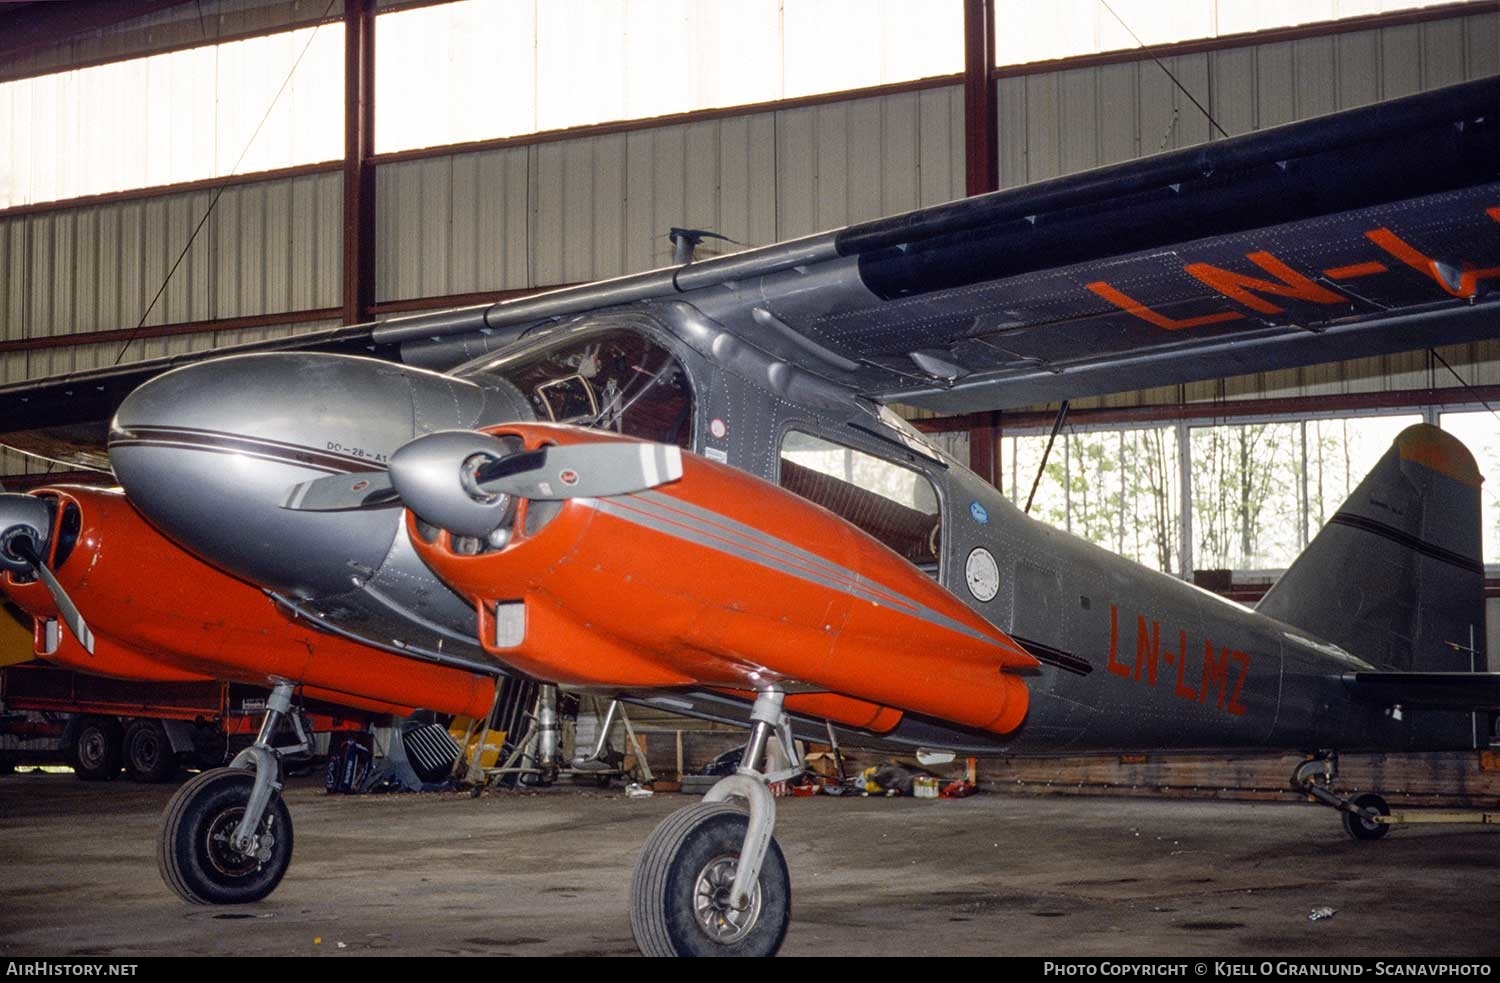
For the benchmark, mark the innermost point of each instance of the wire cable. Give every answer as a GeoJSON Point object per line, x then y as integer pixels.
{"type": "Point", "coordinates": [1464, 382]}
{"type": "Point", "coordinates": [1159, 64]}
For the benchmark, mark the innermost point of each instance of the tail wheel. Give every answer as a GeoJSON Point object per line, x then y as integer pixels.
{"type": "Point", "coordinates": [1363, 828]}
{"type": "Point", "coordinates": [680, 894]}
{"type": "Point", "coordinates": [95, 752]}
{"type": "Point", "coordinates": [148, 752]}
{"type": "Point", "coordinates": [194, 852]}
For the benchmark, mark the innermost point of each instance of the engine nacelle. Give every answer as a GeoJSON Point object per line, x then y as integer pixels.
{"type": "Point", "coordinates": [721, 579]}
{"type": "Point", "coordinates": [160, 614]}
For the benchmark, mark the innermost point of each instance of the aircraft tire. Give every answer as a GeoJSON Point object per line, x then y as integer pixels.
{"type": "Point", "coordinates": [683, 877]}
{"type": "Point", "coordinates": [193, 852]}
{"type": "Point", "coordinates": [95, 749]}
{"type": "Point", "coordinates": [1361, 828]}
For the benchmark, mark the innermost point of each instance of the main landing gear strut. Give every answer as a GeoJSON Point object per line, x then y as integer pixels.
{"type": "Point", "coordinates": [227, 835]}
{"type": "Point", "coordinates": [712, 880]}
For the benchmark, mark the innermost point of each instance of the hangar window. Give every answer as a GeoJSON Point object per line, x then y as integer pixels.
{"type": "Point", "coordinates": [1119, 489]}
{"type": "Point", "coordinates": [1480, 432]}
{"type": "Point", "coordinates": [1257, 492]}
{"type": "Point", "coordinates": [1027, 31]}
{"type": "Point", "coordinates": [483, 69]}
{"type": "Point", "coordinates": [615, 380]}
{"type": "Point", "coordinates": [174, 117]}
{"type": "Point", "coordinates": [896, 505]}
{"type": "Point", "coordinates": [1336, 455]}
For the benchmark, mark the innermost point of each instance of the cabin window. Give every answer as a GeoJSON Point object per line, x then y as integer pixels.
{"type": "Point", "coordinates": [614, 380]}
{"type": "Point", "coordinates": [895, 504]}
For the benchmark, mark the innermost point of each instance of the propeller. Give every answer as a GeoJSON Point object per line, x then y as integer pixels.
{"type": "Point", "coordinates": [465, 481]}
{"type": "Point", "coordinates": [24, 523]}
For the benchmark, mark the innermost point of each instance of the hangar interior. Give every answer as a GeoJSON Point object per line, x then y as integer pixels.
{"type": "Point", "coordinates": [183, 177]}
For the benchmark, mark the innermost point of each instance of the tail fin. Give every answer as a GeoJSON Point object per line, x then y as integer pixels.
{"type": "Point", "coordinates": [1396, 577]}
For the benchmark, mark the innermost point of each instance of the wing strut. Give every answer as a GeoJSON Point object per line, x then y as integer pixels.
{"type": "Point", "coordinates": [1062, 415]}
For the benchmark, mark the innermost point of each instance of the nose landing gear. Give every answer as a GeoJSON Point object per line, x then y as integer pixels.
{"type": "Point", "coordinates": [712, 879]}
{"type": "Point", "coordinates": [226, 837]}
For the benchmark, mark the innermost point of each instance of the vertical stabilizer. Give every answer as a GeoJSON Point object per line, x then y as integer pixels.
{"type": "Point", "coordinates": [1396, 577]}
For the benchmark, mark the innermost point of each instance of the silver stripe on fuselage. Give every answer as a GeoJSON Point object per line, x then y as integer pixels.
{"type": "Point", "coordinates": [704, 527]}
{"type": "Point", "coordinates": [750, 544]}
{"type": "Point", "coordinates": [750, 537]}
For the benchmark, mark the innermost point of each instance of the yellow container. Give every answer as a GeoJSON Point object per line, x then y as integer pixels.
{"type": "Point", "coordinates": [15, 637]}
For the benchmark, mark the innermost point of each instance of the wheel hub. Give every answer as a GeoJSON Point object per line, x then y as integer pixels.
{"type": "Point", "coordinates": [147, 751]}
{"type": "Point", "coordinates": [713, 903]}
{"type": "Point", "coordinates": [221, 852]}
{"type": "Point", "coordinates": [92, 749]}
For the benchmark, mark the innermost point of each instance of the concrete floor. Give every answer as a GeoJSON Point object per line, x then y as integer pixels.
{"type": "Point", "coordinates": [548, 874]}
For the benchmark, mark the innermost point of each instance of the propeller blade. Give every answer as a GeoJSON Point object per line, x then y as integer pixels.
{"type": "Point", "coordinates": [71, 616]}
{"type": "Point", "coordinates": [457, 479]}
{"type": "Point", "coordinates": [342, 492]}
{"type": "Point", "coordinates": [593, 470]}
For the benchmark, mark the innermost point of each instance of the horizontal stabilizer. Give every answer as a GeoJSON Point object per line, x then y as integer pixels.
{"type": "Point", "coordinates": [1437, 690]}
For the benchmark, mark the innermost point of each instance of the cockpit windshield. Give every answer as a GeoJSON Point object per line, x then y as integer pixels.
{"type": "Point", "coordinates": [616, 380]}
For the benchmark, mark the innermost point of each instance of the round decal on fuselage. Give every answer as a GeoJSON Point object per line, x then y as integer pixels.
{"type": "Point", "coordinates": [982, 575]}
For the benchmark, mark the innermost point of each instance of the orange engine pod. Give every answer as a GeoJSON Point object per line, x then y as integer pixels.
{"type": "Point", "coordinates": [722, 579]}
{"type": "Point", "coordinates": [158, 613]}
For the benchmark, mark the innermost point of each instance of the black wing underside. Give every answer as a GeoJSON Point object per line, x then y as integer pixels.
{"type": "Point", "coordinates": [1432, 690]}
{"type": "Point", "coordinates": [1361, 233]}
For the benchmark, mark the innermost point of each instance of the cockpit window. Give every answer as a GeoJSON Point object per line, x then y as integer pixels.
{"type": "Point", "coordinates": [615, 380]}
{"type": "Point", "coordinates": [895, 504]}
{"type": "Point", "coordinates": [568, 400]}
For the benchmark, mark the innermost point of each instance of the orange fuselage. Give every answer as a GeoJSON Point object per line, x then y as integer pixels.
{"type": "Point", "coordinates": [160, 614]}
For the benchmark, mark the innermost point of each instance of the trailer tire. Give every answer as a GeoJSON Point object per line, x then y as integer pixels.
{"type": "Point", "coordinates": [70, 741]}
{"type": "Point", "coordinates": [95, 749]}
{"type": "Point", "coordinates": [148, 753]}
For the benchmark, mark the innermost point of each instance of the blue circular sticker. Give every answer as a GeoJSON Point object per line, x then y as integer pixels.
{"type": "Point", "coordinates": [980, 514]}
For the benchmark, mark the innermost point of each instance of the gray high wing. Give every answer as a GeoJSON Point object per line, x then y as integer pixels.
{"type": "Point", "coordinates": [1319, 240]}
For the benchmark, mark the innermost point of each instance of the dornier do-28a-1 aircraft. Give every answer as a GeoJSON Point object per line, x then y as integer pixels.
{"type": "Point", "coordinates": [686, 488]}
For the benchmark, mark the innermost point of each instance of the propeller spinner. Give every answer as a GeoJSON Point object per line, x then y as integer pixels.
{"type": "Point", "coordinates": [24, 525]}
{"type": "Point", "coordinates": [464, 481]}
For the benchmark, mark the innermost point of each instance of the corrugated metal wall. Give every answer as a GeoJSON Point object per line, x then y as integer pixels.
{"type": "Point", "coordinates": [268, 247]}
{"type": "Point", "coordinates": [583, 209]}
{"type": "Point", "coordinates": [1055, 123]}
